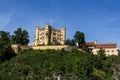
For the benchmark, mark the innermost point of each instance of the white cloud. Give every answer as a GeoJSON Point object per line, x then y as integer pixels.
{"type": "Point", "coordinates": [5, 19]}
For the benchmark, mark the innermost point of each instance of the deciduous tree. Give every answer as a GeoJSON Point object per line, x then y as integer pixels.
{"type": "Point", "coordinates": [70, 42]}
{"type": "Point", "coordinates": [20, 37]}
{"type": "Point", "coordinates": [79, 37]}
{"type": "Point", "coordinates": [5, 47]}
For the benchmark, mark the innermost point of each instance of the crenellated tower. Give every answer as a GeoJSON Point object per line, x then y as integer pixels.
{"type": "Point", "coordinates": [49, 36]}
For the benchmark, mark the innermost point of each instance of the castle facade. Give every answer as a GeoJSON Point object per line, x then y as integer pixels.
{"type": "Point", "coordinates": [49, 36]}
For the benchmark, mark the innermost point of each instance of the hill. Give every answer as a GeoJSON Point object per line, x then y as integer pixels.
{"type": "Point", "coordinates": [52, 64]}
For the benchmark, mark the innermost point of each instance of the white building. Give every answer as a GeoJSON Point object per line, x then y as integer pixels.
{"type": "Point", "coordinates": [110, 48]}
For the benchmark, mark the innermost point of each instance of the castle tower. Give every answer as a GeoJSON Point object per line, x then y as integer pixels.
{"type": "Point", "coordinates": [50, 36]}
{"type": "Point", "coordinates": [63, 35]}
{"type": "Point", "coordinates": [47, 34]}
{"type": "Point", "coordinates": [37, 33]}
{"type": "Point", "coordinates": [36, 42]}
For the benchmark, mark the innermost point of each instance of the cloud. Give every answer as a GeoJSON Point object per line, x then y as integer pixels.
{"type": "Point", "coordinates": [5, 19]}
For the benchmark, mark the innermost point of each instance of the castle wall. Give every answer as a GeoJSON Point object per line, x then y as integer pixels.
{"type": "Point", "coordinates": [17, 47]}
{"type": "Point", "coordinates": [48, 47]}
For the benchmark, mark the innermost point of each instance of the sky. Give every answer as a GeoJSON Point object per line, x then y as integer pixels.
{"type": "Point", "coordinates": [98, 19]}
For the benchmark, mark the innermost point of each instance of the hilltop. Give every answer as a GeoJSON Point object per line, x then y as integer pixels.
{"type": "Point", "coordinates": [57, 64]}
{"type": "Point", "coordinates": [52, 64]}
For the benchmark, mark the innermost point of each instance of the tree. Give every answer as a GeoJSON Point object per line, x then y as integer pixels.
{"type": "Point", "coordinates": [67, 42]}
{"type": "Point", "coordinates": [98, 74]}
{"type": "Point", "coordinates": [46, 64]}
{"type": "Point", "coordinates": [25, 37]}
{"type": "Point", "coordinates": [4, 39]}
{"type": "Point", "coordinates": [5, 48]}
{"type": "Point", "coordinates": [80, 39]}
{"type": "Point", "coordinates": [101, 54]}
{"type": "Point", "coordinates": [70, 42]}
{"type": "Point", "coordinates": [20, 37]}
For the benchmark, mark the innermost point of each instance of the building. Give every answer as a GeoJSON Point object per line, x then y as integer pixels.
{"type": "Point", "coordinates": [49, 36]}
{"type": "Point", "coordinates": [110, 48]}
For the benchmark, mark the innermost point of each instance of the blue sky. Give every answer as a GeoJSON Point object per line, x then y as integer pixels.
{"type": "Point", "coordinates": [98, 19]}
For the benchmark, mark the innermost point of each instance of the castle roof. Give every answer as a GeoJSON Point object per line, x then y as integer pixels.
{"type": "Point", "coordinates": [96, 45]}
{"type": "Point", "coordinates": [110, 45]}
{"type": "Point", "coordinates": [90, 43]}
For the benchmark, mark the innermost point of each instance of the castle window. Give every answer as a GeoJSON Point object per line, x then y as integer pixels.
{"type": "Point", "coordinates": [54, 33]}
{"type": "Point", "coordinates": [54, 38]}
{"type": "Point", "coordinates": [41, 34]}
{"type": "Point", "coordinates": [108, 51]}
{"type": "Point", "coordinates": [112, 50]}
{"type": "Point", "coordinates": [46, 33]}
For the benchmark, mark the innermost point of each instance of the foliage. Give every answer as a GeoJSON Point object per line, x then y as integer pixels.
{"type": "Point", "coordinates": [20, 37]}
{"type": "Point", "coordinates": [102, 54]}
{"type": "Point", "coordinates": [98, 74]}
{"type": "Point", "coordinates": [70, 42]}
{"type": "Point", "coordinates": [79, 37]}
{"type": "Point", "coordinates": [5, 49]}
{"type": "Point", "coordinates": [49, 64]}
{"type": "Point", "coordinates": [4, 39]}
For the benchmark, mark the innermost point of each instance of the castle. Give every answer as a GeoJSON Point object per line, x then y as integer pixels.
{"type": "Point", "coordinates": [49, 36]}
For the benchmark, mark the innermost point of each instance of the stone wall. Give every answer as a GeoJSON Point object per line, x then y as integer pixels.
{"type": "Point", "coordinates": [48, 47]}
{"type": "Point", "coordinates": [17, 47]}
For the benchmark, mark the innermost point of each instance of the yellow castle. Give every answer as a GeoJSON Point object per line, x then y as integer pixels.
{"type": "Point", "coordinates": [49, 36]}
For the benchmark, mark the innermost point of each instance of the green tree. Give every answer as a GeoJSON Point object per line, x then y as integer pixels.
{"type": "Point", "coordinates": [69, 65]}
{"type": "Point", "coordinates": [20, 37]}
{"type": "Point", "coordinates": [67, 42]}
{"type": "Point", "coordinates": [70, 42]}
{"type": "Point", "coordinates": [101, 54]}
{"type": "Point", "coordinates": [4, 39]}
{"type": "Point", "coordinates": [79, 37]}
{"type": "Point", "coordinates": [98, 74]}
{"type": "Point", "coordinates": [5, 48]}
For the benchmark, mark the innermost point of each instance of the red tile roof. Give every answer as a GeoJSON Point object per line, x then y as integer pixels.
{"type": "Point", "coordinates": [109, 45]}
{"type": "Point", "coordinates": [106, 45]}
{"type": "Point", "coordinates": [90, 43]}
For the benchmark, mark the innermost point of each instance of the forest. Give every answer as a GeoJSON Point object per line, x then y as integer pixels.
{"type": "Point", "coordinates": [59, 65]}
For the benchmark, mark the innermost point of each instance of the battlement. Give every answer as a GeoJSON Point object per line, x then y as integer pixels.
{"type": "Point", "coordinates": [17, 48]}
{"type": "Point", "coordinates": [49, 36]}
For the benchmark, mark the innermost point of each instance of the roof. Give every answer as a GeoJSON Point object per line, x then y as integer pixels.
{"type": "Point", "coordinates": [96, 45]}
{"type": "Point", "coordinates": [90, 43]}
{"type": "Point", "coordinates": [110, 45]}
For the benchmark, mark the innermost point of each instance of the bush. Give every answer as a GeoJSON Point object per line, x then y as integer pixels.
{"type": "Point", "coordinates": [48, 64]}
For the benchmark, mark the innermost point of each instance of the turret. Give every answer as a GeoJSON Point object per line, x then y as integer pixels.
{"type": "Point", "coordinates": [63, 35]}
{"type": "Point", "coordinates": [37, 33]}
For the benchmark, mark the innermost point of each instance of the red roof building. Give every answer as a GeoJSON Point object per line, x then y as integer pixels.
{"type": "Point", "coordinates": [90, 43]}
{"type": "Point", "coordinates": [106, 45]}
{"type": "Point", "coordinates": [110, 48]}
